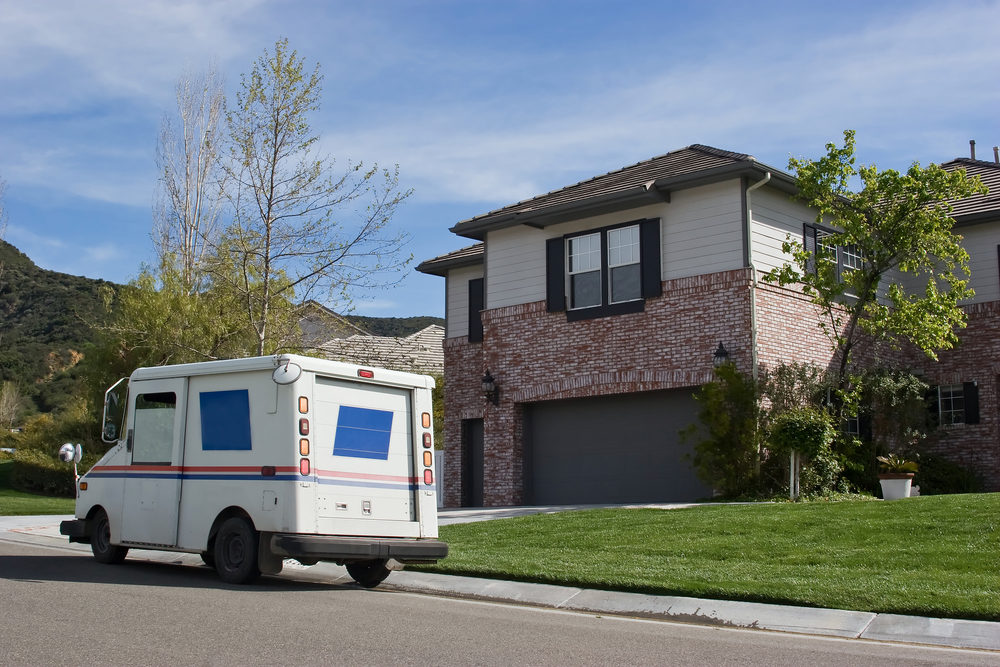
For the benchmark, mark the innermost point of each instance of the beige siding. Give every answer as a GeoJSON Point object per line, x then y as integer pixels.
{"type": "Point", "coordinates": [775, 217]}
{"type": "Point", "coordinates": [981, 242]}
{"type": "Point", "coordinates": [457, 299]}
{"type": "Point", "coordinates": [700, 232]}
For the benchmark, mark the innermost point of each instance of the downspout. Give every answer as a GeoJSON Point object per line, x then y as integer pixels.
{"type": "Point", "coordinates": [753, 274]}
{"type": "Point", "coordinates": [753, 290]}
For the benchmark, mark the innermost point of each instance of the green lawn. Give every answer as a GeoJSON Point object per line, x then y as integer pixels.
{"type": "Point", "coordinates": [931, 556]}
{"type": "Point", "coordinates": [18, 503]}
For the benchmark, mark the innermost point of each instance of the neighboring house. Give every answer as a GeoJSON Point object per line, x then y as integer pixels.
{"type": "Point", "coordinates": [327, 334]}
{"type": "Point", "coordinates": [597, 310]}
{"type": "Point", "coordinates": [420, 352]}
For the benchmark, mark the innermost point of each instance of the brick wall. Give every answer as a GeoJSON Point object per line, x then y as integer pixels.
{"type": "Point", "coordinates": [976, 358]}
{"type": "Point", "coordinates": [536, 356]}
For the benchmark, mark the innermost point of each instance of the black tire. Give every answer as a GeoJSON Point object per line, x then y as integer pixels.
{"type": "Point", "coordinates": [100, 541]}
{"type": "Point", "coordinates": [208, 558]}
{"type": "Point", "coordinates": [368, 573]}
{"type": "Point", "coordinates": [236, 551]}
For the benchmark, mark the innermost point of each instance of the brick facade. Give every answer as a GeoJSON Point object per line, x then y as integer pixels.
{"type": "Point", "coordinates": [538, 356]}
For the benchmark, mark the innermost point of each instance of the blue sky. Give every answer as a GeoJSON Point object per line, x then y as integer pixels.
{"type": "Point", "coordinates": [480, 103]}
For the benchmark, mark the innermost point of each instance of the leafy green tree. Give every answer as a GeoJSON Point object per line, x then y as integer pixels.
{"type": "Point", "coordinates": [301, 229]}
{"type": "Point", "coordinates": [727, 442]}
{"type": "Point", "coordinates": [913, 270]}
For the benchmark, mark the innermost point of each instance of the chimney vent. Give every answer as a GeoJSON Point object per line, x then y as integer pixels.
{"type": "Point", "coordinates": [972, 148]}
{"type": "Point", "coordinates": [996, 154]}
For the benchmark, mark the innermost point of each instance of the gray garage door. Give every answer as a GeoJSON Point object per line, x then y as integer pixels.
{"type": "Point", "coordinates": [616, 449]}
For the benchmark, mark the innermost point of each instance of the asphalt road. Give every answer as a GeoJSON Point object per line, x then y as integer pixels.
{"type": "Point", "coordinates": [60, 607]}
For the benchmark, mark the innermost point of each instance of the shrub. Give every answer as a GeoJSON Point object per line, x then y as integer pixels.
{"type": "Point", "coordinates": [804, 430]}
{"type": "Point", "coordinates": [821, 475]}
{"type": "Point", "coordinates": [938, 476]}
{"type": "Point", "coordinates": [36, 472]}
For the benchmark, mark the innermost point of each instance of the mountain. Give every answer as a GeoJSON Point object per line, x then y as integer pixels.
{"type": "Point", "coordinates": [47, 319]}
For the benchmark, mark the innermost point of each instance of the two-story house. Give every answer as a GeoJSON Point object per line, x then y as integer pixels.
{"type": "Point", "coordinates": [580, 324]}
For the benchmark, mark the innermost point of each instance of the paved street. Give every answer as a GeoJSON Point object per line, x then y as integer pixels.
{"type": "Point", "coordinates": [61, 607]}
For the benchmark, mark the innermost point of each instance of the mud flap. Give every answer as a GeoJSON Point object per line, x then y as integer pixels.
{"type": "Point", "coordinates": [267, 561]}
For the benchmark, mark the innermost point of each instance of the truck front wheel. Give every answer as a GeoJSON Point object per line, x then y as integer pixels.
{"type": "Point", "coordinates": [368, 573]}
{"type": "Point", "coordinates": [236, 551]}
{"type": "Point", "coordinates": [100, 541]}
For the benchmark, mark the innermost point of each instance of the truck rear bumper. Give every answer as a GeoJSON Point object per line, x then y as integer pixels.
{"type": "Point", "coordinates": [343, 549]}
{"type": "Point", "coordinates": [78, 530]}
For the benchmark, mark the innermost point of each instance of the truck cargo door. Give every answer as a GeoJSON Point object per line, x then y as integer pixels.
{"type": "Point", "coordinates": [364, 451]}
{"type": "Point", "coordinates": [153, 480]}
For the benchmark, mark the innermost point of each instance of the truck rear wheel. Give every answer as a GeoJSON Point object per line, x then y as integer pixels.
{"type": "Point", "coordinates": [236, 551]}
{"type": "Point", "coordinates": [100, 541]}
{"type": "Point", "coordinates": [368, 573]}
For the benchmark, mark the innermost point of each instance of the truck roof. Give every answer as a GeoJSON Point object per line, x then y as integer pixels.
{"type": "Point", "coordinates": [269, 363]}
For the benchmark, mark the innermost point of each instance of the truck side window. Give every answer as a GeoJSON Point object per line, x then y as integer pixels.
{"type": "Point", "coordinates": [153, 437]}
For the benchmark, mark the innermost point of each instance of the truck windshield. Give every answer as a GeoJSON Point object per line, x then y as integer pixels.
{"type": "Point", "coordinates": [114, 410]}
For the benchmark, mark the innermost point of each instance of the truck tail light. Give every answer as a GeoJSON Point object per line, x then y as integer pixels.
{"type": "Point", "coordinates": [303, 404]}
{"type": "Point", "coordinates": [427, 459]}
{"type": "Point", "coordinates": [83, 486]}
{"type": "Point", "coordinates": [304, 447]}
{"type": "Point", "coordinates": [363, 373]}
{"type": "Point", "coordinates": [428, 477]}
{"type": "Point", "coordinates": [427, 440]}
{"type": "Point", "coordinates": [425, 420]}
{"type": "Point", "coordinates": [304, 467]}
{"type": "Point", "coordinates": [303, 426]}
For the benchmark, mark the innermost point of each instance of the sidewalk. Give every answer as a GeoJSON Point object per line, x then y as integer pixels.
{"type": "Point", "coordinates": [954, 633]}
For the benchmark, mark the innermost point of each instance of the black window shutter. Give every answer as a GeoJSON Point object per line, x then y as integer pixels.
{"type": "Point", "coordinates": [555, 275]}
{"type": "Point", "coordinates": [932, 399]}
{"type": "Point", "coordinates": [865, 426]}
{"type": "Point", "coordinates": [476, 303]}
{"type": "Point", "coordinates": [970, 392]}
{"type": "Point", "coordinates": [809, 243]}
{"type": "Point", "coordinates": [649, 250]}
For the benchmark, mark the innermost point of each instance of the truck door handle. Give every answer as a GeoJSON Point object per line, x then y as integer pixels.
{"type": "Point", "coordinates": [128, 441]}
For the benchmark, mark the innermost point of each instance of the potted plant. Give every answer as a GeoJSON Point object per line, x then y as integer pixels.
{"type": "Point", "coordinates": [896, 476]}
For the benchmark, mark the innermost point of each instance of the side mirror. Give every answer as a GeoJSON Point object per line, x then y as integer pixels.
{"type": "Point", "coordinates": [114, 410]}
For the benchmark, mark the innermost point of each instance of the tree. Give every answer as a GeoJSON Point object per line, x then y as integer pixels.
{"type": "Point", "coordinates": [188, 157]}
{"type": "Point", "coordinates": [912, 270]}
{"type": "Point", "coordinates": [300, 230]}
{"type": "Point", "coordinates": [11, 403]}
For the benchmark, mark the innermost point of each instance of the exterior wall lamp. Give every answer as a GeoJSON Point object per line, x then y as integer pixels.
{"type": "Point", "coordinates": [491, 390]}
{"type": "Point", "coordinates": [721, 355]}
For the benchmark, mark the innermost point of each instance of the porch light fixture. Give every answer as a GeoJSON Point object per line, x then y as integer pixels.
{"type": "Point", "coordinates": [490, 388]}
{"type": "Point", "coordinates": [720, 356]}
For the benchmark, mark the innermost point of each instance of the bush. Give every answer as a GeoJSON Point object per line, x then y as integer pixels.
{"type": "Point", "coordinates": [938, 476]}
{"type": "Point", "coordinates": [36, 472]}
{"type": "Point", "coordinates": [821, 475]}
{"type": "Point", "coordinates": [804, 430]}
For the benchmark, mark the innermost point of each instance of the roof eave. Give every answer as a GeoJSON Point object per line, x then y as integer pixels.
{"type": "Point", "coordinates": [656, 192]}
{"type": "Point", "coordinates": [441, 267]}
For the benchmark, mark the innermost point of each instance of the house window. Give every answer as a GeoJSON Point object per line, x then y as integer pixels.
{"type": "Point", "coordinates": [951, 404]}
{"type": "Point", "coordinates": [956, 403]}
{"type": "Point", "coordinates": [585, 271]}
{"type": "Point", "coordinates": [602, 272]}
{"type": "Point", "coordinates": [624, 264]}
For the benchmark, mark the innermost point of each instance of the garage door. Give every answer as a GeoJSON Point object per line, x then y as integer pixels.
{"type": "Point", "coordinates": [615, 449]}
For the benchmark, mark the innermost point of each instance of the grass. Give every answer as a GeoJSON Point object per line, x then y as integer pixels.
{"type": "Point", "coordinates": [931, 556]}
{"type": "Point", "coordinates": [18, 503]}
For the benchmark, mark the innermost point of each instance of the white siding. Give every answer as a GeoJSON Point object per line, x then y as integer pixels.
{"type": "Point", "coordinates": [457, 299]}
{"type": "Point", "coordinates": [981, 242]}
{"type": "Point", "coordinates": [700, 233]}
{"type": "Point", "coordinates": [774, 217]}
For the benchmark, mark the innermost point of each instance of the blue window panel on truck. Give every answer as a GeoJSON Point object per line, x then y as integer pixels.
{"type": "Point", "coordinates": [362, 433]}
{"type": "Point", "coordinates": [225, 420]}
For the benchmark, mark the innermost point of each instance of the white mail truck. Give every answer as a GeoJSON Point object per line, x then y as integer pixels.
{"type": "Point", "coordinates": [251, 461]}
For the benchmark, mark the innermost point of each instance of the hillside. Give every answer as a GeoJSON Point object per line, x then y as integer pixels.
{"type": "Point", "coordinates": [46, 321]}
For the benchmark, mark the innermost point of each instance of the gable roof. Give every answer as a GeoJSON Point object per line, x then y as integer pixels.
{"type": "Point", "coordinates": [440, 265]}
{"type": "Point", "coordinates": [643, 183]}
{"type": "Point", "coordinates": [977, 208]}
{"type": "Point", "coordinates": [422, 351]}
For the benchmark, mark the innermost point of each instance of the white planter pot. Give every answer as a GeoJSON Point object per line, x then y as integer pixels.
{"type": "Point", "coordinates": [897, 486]}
